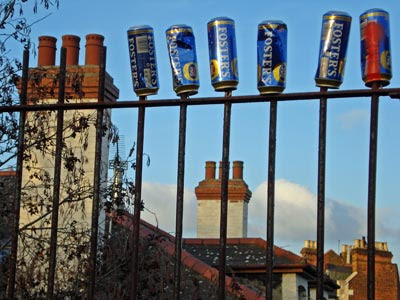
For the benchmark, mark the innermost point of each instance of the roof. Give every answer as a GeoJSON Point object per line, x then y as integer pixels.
{"type": "Point", "coordinates": [8, 173]}
{"type": "Point", "coordinates": [188, 260]}
{"type": "Point", "coordinates": [240, 252]}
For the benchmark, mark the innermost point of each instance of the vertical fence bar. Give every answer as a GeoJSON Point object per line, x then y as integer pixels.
{"type": "Point", "coordinates": [57, 177]}
{"type": "Point", "coordinates": [271, 199]}
{"type": "Point", "coordinates": [18, 183]}
{"type": "Point", "coordinates": [321, 195]}
{"type": "Point", "coordinates": [373, 147]}
{"type": "Point", "coordinates": [96, 177]}
{"type": "Point", "coordinates": [138, 200]}
{"type": "Point", "coordinates": [224, 197]}
{"type": "Point", "coordinates": [179, 198]}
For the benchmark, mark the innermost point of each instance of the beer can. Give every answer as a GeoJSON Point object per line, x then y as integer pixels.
{"type": "Point", "coordinates": [142, 55]}
{"type": "Point", "coordinates": [223, 57]}
{"type": "Point", "coordinates": [182, 55]}
{"type": "Point", "coordinates": [332, 52]}
{"type": "Point", "coordinates": [376, 65]}
{"type": "Point", "coordinates": [271, 57]}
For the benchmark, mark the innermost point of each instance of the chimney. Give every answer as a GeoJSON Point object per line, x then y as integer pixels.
{"type": "Point", "coordinates": [346, 253]}
{"type": "Point", "coordinates": [210, 170]}
{"type": "Point", "coordinates": [94, 46]}
{"type": "Point", "coordinates": [47, 51]}
{"type": "Point", "coordinates": [220, 170]}
{"type": "Point", "coordinates": [382, 246]}
{"type": "Point", "coordinates": [309, 252]}
{"type": "Point", "coordinates": [208, 194]}
{"type": "Point", "coordinates": [71, 43]}
{"type": "Point", "coordinates": [385, 246]}
{"type": "Point", "coordinates": [237, 169]}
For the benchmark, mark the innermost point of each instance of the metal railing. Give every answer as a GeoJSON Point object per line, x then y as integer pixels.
{"type": "Point", "coordinates": [228, 100]}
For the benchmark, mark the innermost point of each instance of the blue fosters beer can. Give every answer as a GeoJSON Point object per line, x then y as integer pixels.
{"type": "Point", "coordinates": [333, 48]}
{"type": "Point", "coordinates": [376, 63]}
{"type": "Point", "coordinates": [271, 57]}
{"type": "Point", "coordinates": [142, 54]}
{"type": "Point", "coordinates": [182, 55]}
{"type": "Point", "coordinates": [223, 57]}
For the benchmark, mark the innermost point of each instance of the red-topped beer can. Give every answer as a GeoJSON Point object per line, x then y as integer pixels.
{"type": "Point", "coordinates": [376, 65]}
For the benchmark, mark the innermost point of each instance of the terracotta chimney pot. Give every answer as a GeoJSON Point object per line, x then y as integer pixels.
{"type": "Point", "coordinates": [71, 43]}
{"type": "Point", "coordinates": [237, 169]}
{"type": "Point", "coordinates": [47, 51]}
{"type": "Point", "coordinates": [210, 170]}
{"type": "Point", "coordinates": [314, 244]}
{"type": "Point", "coordinates": [94, 46]}
{"type": "Point", "coordinates": [220, 170]}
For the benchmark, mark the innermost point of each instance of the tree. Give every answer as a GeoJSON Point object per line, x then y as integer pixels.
{"type": "Point", "coordinates": [76, 191]}
{"type": "Point", "coordinates": [76, 188]}
{"type": "Point", "coordinates": [15, 30]}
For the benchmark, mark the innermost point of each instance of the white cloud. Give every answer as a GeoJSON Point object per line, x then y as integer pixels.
{"type": "Point", "coordinates": [161, 200]}
{"type": "Point", "coordinates": [352, 118]}
{"type": "Point", "coordinates": [295, 216]}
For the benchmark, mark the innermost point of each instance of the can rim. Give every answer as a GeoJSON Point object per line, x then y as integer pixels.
{"type": "Point", "coordinates": [139, 27]}
{"type": "Point", "coordinates": [272, 22]}
{"type": "Point", "coordinates": [337, 13]}
{"type": "Point", "coordinates": [373, 12]}
{"type": "Point", "coordinates": [178, 26]}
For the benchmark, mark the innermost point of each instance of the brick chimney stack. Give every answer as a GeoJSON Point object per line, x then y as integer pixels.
{"type": "Point", "coordinates": [386, 273]}
{"type": "Point", "coordinates": [89, 72]}
{"type": "Point", "coordinates": [208, 194]}
{"type": "Point", "coordinates": [47, 51]}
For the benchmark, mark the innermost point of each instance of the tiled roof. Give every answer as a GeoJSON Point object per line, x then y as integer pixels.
{"type": "Point", "coordinates": [240, 252]}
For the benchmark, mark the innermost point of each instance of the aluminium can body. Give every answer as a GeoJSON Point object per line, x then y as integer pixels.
{"type": "Point", "coordinates": [182, 55]}
{"type": "Point", "coordinates": [376, 63]}
{"type": "Point", "coordinates": [332, 53]}
{"type": "Point", "coordinates": [222, 51]}
{"type": "Point", "coordinates": [271, 57]}
{"type": "Point", "coordinates": [142, 55]}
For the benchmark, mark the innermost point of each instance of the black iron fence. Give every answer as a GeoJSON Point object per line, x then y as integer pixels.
{"type": "Point", "coordinates": [228, 100]}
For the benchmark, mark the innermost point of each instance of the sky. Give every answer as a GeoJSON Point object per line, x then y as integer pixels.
{"type": "Point", "coordinates": [297, 128]}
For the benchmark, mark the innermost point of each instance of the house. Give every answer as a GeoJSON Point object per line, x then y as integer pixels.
{"type": "Point", "coordinates": [349, 269]}
{"type": "Point", "coordinates": [294, 278]}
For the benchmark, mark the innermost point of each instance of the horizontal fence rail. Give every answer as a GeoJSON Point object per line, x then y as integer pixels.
{"type": "Point", "coordinates": [390, 92]}
{"type": "Point", "coordinates": [323, 95]}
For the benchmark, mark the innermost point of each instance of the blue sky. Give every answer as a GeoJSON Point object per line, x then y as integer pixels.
{"type": "Point", "coordinates": [297, 142]}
